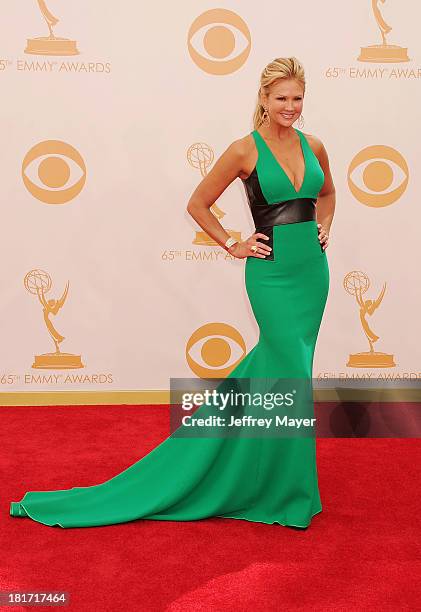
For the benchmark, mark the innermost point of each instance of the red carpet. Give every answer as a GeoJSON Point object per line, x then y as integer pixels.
{"type": "Point", "coordinates": [361, 553]}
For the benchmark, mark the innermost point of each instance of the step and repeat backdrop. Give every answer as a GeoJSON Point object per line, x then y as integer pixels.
{"type": "Point", "coordinates": [112, 113]}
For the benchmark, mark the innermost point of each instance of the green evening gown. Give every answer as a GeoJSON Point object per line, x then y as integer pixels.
{"type": "Point", "coordinates": [261, 479]}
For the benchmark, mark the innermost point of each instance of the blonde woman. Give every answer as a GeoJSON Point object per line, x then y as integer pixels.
{"type": "Point", "coordinates": [268, 479]}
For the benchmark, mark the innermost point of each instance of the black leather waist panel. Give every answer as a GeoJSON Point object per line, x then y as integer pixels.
{"type": "Point", "coordinates": [289, 211]}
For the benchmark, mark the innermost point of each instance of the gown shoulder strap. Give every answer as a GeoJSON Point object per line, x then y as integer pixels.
{"type": "Point", "coordinates": [303, 139]}
{"type": "Point", "coordinates": [261, 146]}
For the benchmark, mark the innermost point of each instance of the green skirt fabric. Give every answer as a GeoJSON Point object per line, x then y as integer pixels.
{"type": "Point", "coordinates": [262, 479]}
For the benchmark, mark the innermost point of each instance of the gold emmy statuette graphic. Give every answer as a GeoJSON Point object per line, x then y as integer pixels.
{"type": "Point", "coordinates": [356, 283]}
{"type": "Point", "coordinates": [50, 45]}
{"type": "Point", "coordinates": [384, 52]}
{"type": "Point", "coordinates": [39, 283]}
{"type": "Point", "coordinates": [201, 156]}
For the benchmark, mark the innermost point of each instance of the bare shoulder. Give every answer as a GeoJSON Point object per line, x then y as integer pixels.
{"type": "Point", "coordinates": [244, 149]}
{"type": "Point", "coordinates": [243, 146]}
{"type": "Point", "coordinates": [229, 166]}
{"type": "Point", "coordinates": [234, 159]}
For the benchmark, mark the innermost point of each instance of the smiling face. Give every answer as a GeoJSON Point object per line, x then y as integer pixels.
{"type": "Point", "coordinates": [284, 101]}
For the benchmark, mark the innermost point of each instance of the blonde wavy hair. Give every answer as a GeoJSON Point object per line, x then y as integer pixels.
{"type": "Point", "coordinates": [279, 68]}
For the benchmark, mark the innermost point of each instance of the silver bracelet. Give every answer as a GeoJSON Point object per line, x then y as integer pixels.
{"type": "Point", "coordinates": [230, 242]}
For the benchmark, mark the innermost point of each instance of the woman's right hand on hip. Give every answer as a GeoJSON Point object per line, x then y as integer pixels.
{"type": "Point", "coordinates": [251, 247]}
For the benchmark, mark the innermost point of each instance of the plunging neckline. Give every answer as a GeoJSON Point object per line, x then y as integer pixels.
{"type": "Point", "coordinates": [279, 165]}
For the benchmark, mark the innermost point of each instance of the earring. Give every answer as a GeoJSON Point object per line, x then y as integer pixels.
{"type": "Point", "coordinates": [266, 118]}
{"type": "Point", "coordinates": [301, 122]}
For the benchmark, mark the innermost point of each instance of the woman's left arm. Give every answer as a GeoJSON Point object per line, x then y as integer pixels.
{"type": "Point", "coordinates": [326, 201]}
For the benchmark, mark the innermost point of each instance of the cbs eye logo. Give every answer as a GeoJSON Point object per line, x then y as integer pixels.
{"type": "Point", "coordinates": [219, 41]}
{"type": "Point", "coordinates": [215, 345]}
{"type": "Point", "coordinates": [382, 171]}
{"type": "Point", "coordinates": [54, 172]}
